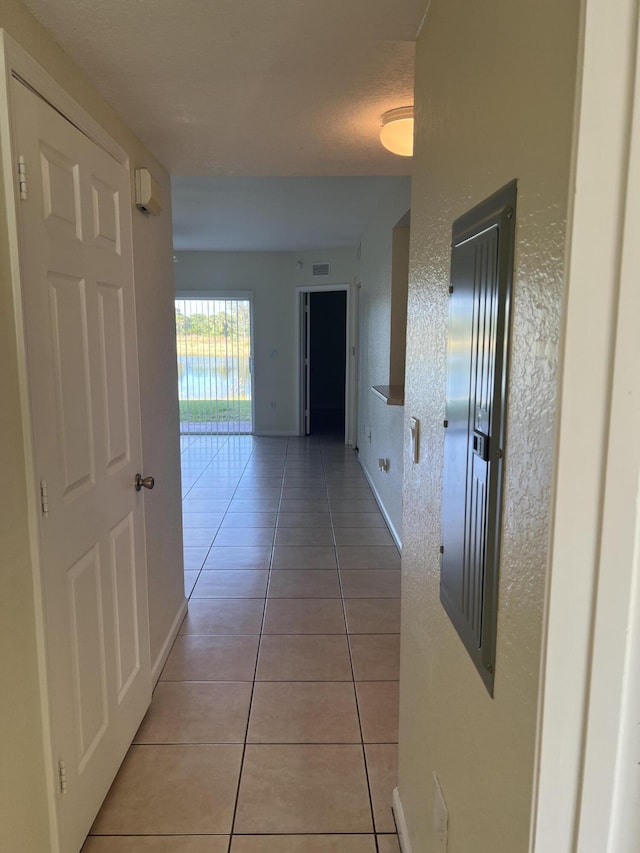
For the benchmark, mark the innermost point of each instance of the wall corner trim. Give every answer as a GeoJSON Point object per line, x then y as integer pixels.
{"type": "Point", "coordinates": [160, 661]}
{"type": "Point", "coordinates": [401, 824]}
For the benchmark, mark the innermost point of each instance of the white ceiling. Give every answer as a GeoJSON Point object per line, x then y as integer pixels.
{"type": "Point", "coordinates": [248, 87]}
{"type": "Point", "coordinates": [273, 214]}
{"type": "Point", "coordinates": [268, 89]}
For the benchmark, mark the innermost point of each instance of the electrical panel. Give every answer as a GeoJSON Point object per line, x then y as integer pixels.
{"type": "Point", "coordinates": [480, 296]}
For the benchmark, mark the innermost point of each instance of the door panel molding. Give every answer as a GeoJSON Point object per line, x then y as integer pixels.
{"type": "Point", "coordinates": [16, 64]}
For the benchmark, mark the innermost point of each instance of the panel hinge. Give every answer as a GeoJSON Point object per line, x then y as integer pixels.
{"type": "Point", "coordinates": [442, 549]}
{"type": "Point", "coordinates": [450, 288]}
{"type": "Point", "coordinates": [445, 424]}
{"type": "Point", "coordinates": [44, 498]}
{"type": "Point", "coordinates": [22, 177]}
{"type": "Point", "coordinates": [62, 776]}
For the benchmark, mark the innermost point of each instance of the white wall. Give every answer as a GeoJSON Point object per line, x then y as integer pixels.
{"type": "Point", "coordinates": [385, 423]}
{"type": "Point", "coordinates": [272, 277]}
{"type": "Point", "coordinates": [589, 744]}
{"type": "Point", "coordinates": [23, 794]}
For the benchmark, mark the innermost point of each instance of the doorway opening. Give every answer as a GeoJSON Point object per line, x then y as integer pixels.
{"type": "Point", "coordinates": [215, 364]}
{"type": "Point", "coordinates": [324, 348]}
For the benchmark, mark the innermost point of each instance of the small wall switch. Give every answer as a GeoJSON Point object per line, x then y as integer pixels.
{"type": "Point", "coordinates": [414, 430]}
{"type": "Point", "coordinates": [440, 816]}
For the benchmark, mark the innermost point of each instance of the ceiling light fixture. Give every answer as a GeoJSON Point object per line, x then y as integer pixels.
{"type": "Point", "coordinates": [396, 133]}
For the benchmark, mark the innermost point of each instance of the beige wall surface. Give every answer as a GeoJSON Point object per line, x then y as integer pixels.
{"type": "Point", "coordinates": [384, 423]}
{"type": "Point", "coordinates": [160, 418]}
{"type": "Point", "coordinates": [494, 101]}
{"type": "Point", "coordinates": [272, 277]}
{"type": "Point", "coordinates": [23, 812]}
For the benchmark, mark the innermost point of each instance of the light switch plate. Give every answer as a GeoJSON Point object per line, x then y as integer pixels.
{"type": "Point", "coordinates": [414, 430]}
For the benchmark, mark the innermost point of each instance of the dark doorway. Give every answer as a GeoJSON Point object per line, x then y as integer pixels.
{"type": "Point", "coordinates": [327, 361]}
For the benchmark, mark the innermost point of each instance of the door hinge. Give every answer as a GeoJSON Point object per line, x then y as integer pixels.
{"type": "Point", "coordinates": [450, 288]}
{"type": "Point", "coordinates": [44, 498]}
{"type": "Point", "coordinates": [22, 177]}
{"type": "Point", "coordinates": [62, 776]}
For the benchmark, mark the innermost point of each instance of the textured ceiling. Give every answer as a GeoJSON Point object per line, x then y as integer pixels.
{"type": "Point", "coordinates": [274, 214]}
{"type": "Point", "coordinates": [248, 87]}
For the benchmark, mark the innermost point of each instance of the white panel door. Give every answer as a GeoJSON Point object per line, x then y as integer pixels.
{"type": "Point", "coordinates": [77, 276]}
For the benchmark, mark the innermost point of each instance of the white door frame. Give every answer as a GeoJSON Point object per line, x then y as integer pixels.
{"type": "Point", "coordinates": [305, 356]}
{"type": "Point", "coordinates": [588, 779]}
{"type": "Point", "coordinates": [15, 62]}
{"type": "Point", "coordinates": [350, 391]}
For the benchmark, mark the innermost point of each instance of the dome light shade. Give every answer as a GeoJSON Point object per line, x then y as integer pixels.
{"type": "Point", "coordinates": [396, 133]}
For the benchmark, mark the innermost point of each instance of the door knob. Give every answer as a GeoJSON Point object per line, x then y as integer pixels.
{"type": "Point", "coordinates": [146, 482]}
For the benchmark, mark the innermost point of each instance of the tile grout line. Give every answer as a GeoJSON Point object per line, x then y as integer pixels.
{"type": "Point", "coordinates": [355, 692]}
{"type": "Point", "coordinates": [255, 669]}
{"type": "Point", "coordinates": [322, 454]}
{"type": "Point", "coordinates": [202, 472]}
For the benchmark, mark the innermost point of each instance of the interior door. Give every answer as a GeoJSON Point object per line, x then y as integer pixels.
{"type": "Point", "coordinates": [77, 277]}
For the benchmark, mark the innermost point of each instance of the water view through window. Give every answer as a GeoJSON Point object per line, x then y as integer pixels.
{"type": "Point", "coordinates": [214, 365]}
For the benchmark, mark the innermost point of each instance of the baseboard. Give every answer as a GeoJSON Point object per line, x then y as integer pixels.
{"type": "Point", "coordinates": [168, 643]}
{"type": "Point", "coordinates": [401, 824]}
{"type": "Point", "coordinates": [276, 433]}
{"type": "Point", "coordinates": [392, 530]}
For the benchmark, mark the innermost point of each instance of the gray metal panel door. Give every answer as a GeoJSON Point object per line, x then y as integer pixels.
{"type": "Point", "coordinates": [481, 264]}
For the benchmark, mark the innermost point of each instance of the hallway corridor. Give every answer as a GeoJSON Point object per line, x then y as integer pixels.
{"type": "Point", "coordinates": [273, 727]}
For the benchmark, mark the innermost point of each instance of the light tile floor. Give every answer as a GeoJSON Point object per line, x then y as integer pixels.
{"type": "Point", "coordinates": [274, 726]}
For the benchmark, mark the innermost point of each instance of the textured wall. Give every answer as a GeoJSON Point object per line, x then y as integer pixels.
{"type": "Point", "coordinates": [23, 806]}
{"type": "Point", "coordinates": [494, 99]}
{"type": "Point", "coordinates": [384, 422]}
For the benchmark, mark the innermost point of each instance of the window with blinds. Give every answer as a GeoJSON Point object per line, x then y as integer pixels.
{"type": "Point", "coordinates": [215, 367]}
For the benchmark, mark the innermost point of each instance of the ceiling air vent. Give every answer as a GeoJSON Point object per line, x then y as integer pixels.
{"type": "Point", "coordinates": [320, 269]}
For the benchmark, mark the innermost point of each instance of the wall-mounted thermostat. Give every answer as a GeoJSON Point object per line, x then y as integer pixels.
{"type": "Point", "coordinates": [148, 194]}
